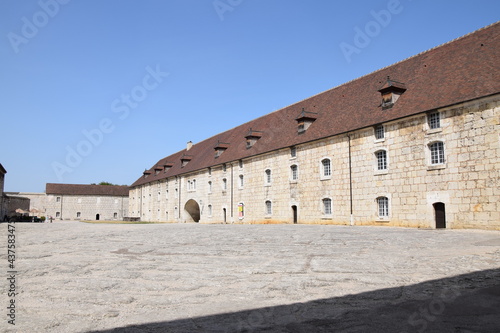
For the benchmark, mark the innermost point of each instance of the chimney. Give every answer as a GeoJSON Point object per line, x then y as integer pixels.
{"type": "Point", "coordinates": [189, 145]}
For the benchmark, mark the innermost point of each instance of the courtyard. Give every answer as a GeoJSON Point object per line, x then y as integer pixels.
{"type": "Point", "coordinates": [84, 277]}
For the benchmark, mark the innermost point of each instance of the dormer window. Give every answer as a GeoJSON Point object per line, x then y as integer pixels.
{"type": "Point", "coordinates": [391, 91]}
{"type": "Point", "coordinates": [220, 148]}
{"type": "Point", "coordinates": [304, 120]}
{"type": "Point", "coordinates": [185, 159]}
{"type": "Point", "coordinates": [146, 173]}
{"type": "Point", "coordinates": [252, 137]}
{"type": "Point", "coordinates": [167, 166]}
{"type": "Point", "coordinates": [158, 169]}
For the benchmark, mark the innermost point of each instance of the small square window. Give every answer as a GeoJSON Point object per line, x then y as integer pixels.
{"type": "Point", "coordinates": [434, 121]}
{"type": "Point", "coordinates": [379, 132]}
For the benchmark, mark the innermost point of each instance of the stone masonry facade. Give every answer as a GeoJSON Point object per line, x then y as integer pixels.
{"type": "Point", "coordinates": [86, 202]}
{"type": "Point", "coordinates": [86, 207]}
{"type": "Point", "coordinates": [467, 182]}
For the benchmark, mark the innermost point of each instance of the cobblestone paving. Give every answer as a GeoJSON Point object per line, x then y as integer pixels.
{"type": "Point", "coordinates": [79, 277]}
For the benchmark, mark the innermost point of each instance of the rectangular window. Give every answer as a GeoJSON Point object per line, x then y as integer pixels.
{"type": "Point", "coordinates": [379, 132]}
{"type": "Point", "coordinates": [293, 152]}
{"type": "Point", "coordinates": [269, 208]}
{"type": "Point", "coordinates": [115, 215]}
{"type": "Point", "coordinates": [240, 163]}
{"type": "Point", "coordinates": [241, 210]}
{"type": "Point", "coordinates": [58, 199]}
{"type": "Point", "coordinates": [268, 176]}
{"type": "Point", "coordinates": [383, 207]}
{"type": "Point", "coordinates": [78, 214]}
{"type": "Point", "coordinates": [295, 172]}
{"type": "Point", "coordinates": [327, 169]}
{"type": "Point", "coordinates": [327, 206]}
{"type": "Point", "coordinates": [242, 181]}
{"type": "Point", "coordinates": [224, 184]}
{"type": "Point", "coordinates": [437, 153]}
{"type": "Point", "coordinates": [58, 214]}
{"type": "Point", "coordinates": [434, 120]}
{"type": "Point", "coordinates": [381, 160]}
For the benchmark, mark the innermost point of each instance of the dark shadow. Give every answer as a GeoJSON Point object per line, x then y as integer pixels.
{"type": "Point", "coordinates": [464, 303]}
{"type": "Point", "coordinates": [193, 209]}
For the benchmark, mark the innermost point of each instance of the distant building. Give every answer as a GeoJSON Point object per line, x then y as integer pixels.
{"type": "Point", "coordinates": [16, 204]}
{"type": "Point", "coordinates": [415, 144]}
{"type": "Point", "coordinates": [86, 202]}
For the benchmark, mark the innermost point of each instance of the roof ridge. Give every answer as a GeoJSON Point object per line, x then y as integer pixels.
{"type": "Point", "coordinates": [345, 83]}
{"type": "Point", "coordinates": [393, 64]}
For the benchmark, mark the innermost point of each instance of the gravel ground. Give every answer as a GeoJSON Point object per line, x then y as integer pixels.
{"type": "Point", "coordinates": [82, 277]}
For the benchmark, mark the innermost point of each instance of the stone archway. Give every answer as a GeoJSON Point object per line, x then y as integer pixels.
{"type": "Point", "coordinates": [193, 211]}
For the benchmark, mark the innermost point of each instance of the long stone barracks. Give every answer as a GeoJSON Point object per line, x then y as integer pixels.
{"type": "Point", "coordinates": [415, 144]}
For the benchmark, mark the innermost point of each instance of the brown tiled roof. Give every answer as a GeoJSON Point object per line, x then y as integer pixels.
{"type": "Point", "coordinates": [78, 189]}
{"type": "Point", "coordinates": [461, 70]}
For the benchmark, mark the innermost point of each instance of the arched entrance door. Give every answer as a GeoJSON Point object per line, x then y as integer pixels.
{"type": "Point", "coordinates": [295, 215]}
{"type": "Point", "coordinates": [440, 215]}
{"type": "Point", "coordinates": [97, 217]}
{"type": "Point", "coordinates": [193, 210]}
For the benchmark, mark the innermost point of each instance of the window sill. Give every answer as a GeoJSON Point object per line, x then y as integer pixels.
{"type": "Point", "coordinates": [379, 140]}
{"type": "Point", "coordinates": [325, 178]}
{"type": "Point", "coordinates": [327, 217]}
{"type": "Point", "coordinates": [434, 131]}
{"type": "Point", "coordinates": [267, 185]}
{"type": "Point", "coordinates": [293, 181]}
{"type": "Point", "coordinates": [436, 167]}
{"type": "Point", "coordinates": [382, 220]}
{"type": "Point", "coordinates": [381, 172]}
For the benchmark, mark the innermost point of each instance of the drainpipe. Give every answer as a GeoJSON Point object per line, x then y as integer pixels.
{"type": "Point", "coordinates": [140, 204]}
{"type": "Point", "coordinates": [350, 178]}
{"type": "Point", "coordinates": [232, 181]}
{"type": "Point", "coordinates": [62, 198]}
{"type": "Point", "coordinates": [179, 186]}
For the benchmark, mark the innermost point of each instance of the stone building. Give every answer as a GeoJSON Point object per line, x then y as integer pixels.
{"type": "Point", "coordinates": [3, 211]}
{"type": "Point", "coordinates": [415, 144]}
{"type": "Point", "coordinates": [86, 202]}
{"type": "Point", "coordinates": [16, 204]}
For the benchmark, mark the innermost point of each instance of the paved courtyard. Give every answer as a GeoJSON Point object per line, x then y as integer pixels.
{"type": "Point", "coordinates": [80, 277]}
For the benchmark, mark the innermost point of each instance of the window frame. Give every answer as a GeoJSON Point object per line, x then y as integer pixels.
{"type": "Point", "coordinates": [268, 208]}
{"type": "Point", "coordinates": [434, 120]}
{"type": "Point", "coordinates": [436, 155]}
{"type": "Point", "coordinates": [382, 161]}
{"type": "Point", "coordinates": [323, 168]}
{"type": "Point", "coordinates": [327, 210]}
{"type": "Point", "coordinates": [383, 211]}
{"type": "Point", "coordinates": [294, 172]}
{"type": "Point", "coordinates": [379, 129]}
{"type": "Point", "coordinates": [268, 177]}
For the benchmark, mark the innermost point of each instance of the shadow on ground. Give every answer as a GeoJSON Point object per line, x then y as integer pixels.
{"type": "Point", "coordinates": [464, 303]}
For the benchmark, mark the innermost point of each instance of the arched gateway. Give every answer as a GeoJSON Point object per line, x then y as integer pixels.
{"type": "Point", "coordinates": [193, 211]}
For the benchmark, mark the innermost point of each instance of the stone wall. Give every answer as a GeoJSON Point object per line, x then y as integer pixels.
{"type": "Point", "coordinates": [3, 210]}
{"type": "Point", "coordinates": [465, 185]}
{"type": "Point", "coordinates": [14, 202]}
{"type": "Point", "coordinates": [86, 207]}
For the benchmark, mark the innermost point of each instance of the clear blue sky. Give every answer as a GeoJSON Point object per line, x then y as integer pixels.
{"type": "Point", "coordinates": [142, 78]}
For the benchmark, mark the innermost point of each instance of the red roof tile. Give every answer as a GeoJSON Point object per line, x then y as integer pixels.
{"type": "Point", "coordinates": [458, 71]}
{"type": "Point", "coordinates": [78, 189]}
